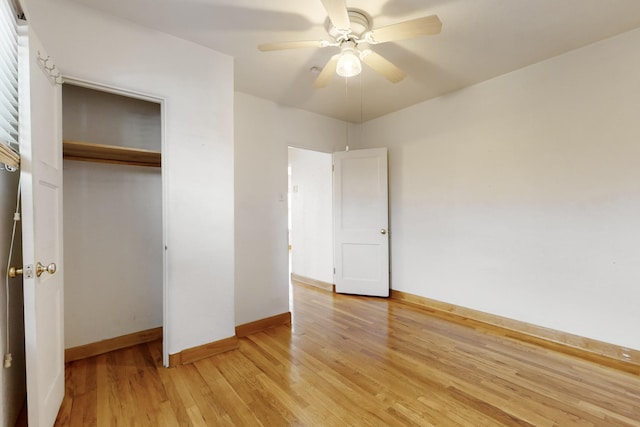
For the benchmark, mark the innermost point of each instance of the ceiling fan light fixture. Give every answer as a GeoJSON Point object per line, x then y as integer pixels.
{"type": "Point", "coordinates": [351, 30]}
{"type": "Point", "coordinates": [348, 64]}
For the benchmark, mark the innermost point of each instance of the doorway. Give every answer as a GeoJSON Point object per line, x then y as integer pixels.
{"type": "Point", "coordinates": [310, 217]}
{"type": "Point", "coordinates": [113, 217]}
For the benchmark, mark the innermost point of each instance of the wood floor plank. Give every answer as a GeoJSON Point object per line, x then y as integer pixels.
{"type": "Point", "coordinates": [358, 361]}
{"type": "Point", "coordinates": [178, 408]}
{"type": "Point", "coordinates": [235, 408]}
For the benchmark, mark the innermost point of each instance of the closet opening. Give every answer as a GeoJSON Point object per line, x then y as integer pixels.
{"type": "Point", "coordinates": [113, 220]}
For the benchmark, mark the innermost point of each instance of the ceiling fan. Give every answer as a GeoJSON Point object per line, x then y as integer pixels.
{"type": "Point", "coordinates": [351, 32]}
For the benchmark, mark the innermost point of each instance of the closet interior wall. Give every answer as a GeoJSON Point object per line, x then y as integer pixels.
{"type": "Point", "coordinates": [112, 220]}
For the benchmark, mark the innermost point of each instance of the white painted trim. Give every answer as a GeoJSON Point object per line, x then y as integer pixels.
{"type": "Point", "coordinates": [302, 147]}
{"type": "Point", "coordinates": [112, 89]}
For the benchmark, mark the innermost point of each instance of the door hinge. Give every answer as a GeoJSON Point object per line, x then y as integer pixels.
{"type": "Point", "coordinates": [333, 168]}
{"type": "Point", "coordinates": [334, 270]}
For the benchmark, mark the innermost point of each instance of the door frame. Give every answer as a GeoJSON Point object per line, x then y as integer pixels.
{"type": "Point", "coordinates": [333, 237]}
{"type": "Point", "coordinates": [164, 179]}
{"type": "Point", "coordinates": [330, 182]}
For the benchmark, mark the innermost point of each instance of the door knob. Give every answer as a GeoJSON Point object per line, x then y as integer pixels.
{"type": "Point", "coordinates": [27, 270]}
{"type": "Point", "coordinates": [14, 272]}
{"type": "Point", "coordinates": [383, 231]}
{"type": "Point", "coordinates": [51, 269]}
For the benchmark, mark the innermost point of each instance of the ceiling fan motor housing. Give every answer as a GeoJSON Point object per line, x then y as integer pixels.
{"type": "Point", "coordinates": [360, 24]}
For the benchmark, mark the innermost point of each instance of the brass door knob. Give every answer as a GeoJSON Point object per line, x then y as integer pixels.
{"type": "Point", "coordinates": [51, 269]}
{"type": "Point", "coordinates": [383, 231]}
{"type": "Point", "coordinates": [14, 272]}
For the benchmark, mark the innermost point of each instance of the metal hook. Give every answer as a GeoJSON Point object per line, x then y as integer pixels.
{"type": "Point", "coordinates": [41, 59]}
{"type": "Point", "coordinates": [7, 168]}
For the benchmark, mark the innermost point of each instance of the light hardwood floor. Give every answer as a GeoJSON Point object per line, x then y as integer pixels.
{"type": "Point", "coordinates": [354, 361]}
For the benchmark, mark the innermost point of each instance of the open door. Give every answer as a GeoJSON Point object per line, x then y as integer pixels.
{"type": "Point", "coordinates": [361, 217]}
{"type": "Point", "coordinates": [41, 186]}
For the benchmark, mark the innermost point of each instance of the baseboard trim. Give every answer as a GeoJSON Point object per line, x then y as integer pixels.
{"type": "Point", "coordinates": [105, 346]}
{"type": "Point", "coordinates": [262, 324]}
{"type": "Point", "coordinates": [206, 350]}
{"type": "Point", "coordinates": [194, 354]}
{"type": "Point", "coordinates": [611, 355]}
{"type": "Point", "coordinates": [313, 282]}
{"type": "Point", "coordinates": [184, 357]}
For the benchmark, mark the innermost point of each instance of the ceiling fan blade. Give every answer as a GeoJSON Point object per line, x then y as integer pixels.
{"type": "Point", "coordinates": [327, 72]}
{"type": "Point", "coordinates": [337, 11]}
{"type": "Point", "coordinates": [382, 66]}
{"type": "Point", "coordinates": [427, 25]}
{"type": "Point", "coordinates": [265, 47]}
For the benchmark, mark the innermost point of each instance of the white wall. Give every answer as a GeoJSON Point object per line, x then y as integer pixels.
{"type": "Point", "coordinates": [312, 214]}
{"type": "Point", "coordinates": [520, 196]}
{"type": "Point", "coordinates": [263, 131]}
{"type": "Point", "coordinates": [196, 84]}
{"type": "Point", "coordinates": [100, 117]}
{"type": "Point", "coordinates": [112, 250]}
{"type": "Point", "coordinates": [12, 380]}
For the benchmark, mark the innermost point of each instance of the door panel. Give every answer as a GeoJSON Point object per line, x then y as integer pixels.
{"type": "Point", "coordinates": [41, 186]}
{"type": "Point", "coordinates": [361, 243]}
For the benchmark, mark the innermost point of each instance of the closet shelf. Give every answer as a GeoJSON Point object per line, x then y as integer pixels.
{"type": "Point", "coordinates": [90, 152]}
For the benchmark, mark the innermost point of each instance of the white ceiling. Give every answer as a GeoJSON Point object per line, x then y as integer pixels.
{"type": "Point", "coordinates": [480, 39]}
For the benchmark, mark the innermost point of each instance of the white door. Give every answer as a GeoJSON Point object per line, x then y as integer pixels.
{"type": "Point", "coordinates": [361, 217]}
{"type": "Point", "coordinates": [41, 185]}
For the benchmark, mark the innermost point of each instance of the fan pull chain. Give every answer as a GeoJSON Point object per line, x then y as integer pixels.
{"type": "Point", "coordinates": [361, 107]}
{"type": "Point", "coordinates": [346, 102]}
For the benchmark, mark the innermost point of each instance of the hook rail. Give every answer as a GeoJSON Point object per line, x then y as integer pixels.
{"type": "Point", "coordinates": [51, 69]}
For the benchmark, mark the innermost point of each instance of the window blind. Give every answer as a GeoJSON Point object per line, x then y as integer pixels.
{"type": "Point", "coordinates": [8, 84]}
